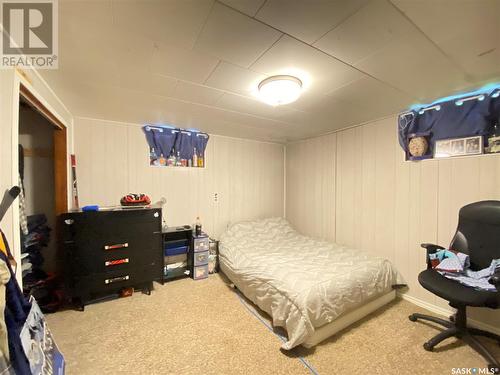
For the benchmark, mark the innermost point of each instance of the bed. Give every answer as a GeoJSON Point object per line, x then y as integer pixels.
{"type": "Point", "coordinates": [311, 288]}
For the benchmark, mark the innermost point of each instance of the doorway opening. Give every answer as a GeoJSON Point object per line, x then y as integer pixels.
{"type": "Point", "coordinates": [43, 181]}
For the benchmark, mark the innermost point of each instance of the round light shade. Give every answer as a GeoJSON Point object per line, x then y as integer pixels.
{"type": "Point", "coordinates": [278, 90]}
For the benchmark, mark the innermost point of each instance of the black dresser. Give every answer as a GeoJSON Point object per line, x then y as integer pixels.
{"type": "Point", "coordinates": [108, 251]}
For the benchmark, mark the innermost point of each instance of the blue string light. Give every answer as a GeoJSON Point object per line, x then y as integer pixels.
{"type": "Point", "coordinates": [492, 89]}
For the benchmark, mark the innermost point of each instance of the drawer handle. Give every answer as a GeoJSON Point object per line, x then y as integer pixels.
{"type": "Point", "coordinates": [117, 246]}
{"type": "Point", "coordinates": [116, 262]}
{"type": "Point", "coordinates": [116, 279]}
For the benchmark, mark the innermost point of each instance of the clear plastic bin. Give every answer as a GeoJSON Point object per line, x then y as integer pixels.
{"type": "Point", "coordinates": [200, 272]}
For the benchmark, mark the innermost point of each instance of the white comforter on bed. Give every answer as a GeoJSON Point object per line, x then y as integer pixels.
{"type": "Point", "coordinates": [300, 282]}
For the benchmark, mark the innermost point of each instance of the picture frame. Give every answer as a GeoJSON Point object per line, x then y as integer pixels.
{"type": "Point", "coordinates": [451, 147]}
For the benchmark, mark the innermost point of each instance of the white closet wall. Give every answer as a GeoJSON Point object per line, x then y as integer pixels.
{"type": "Point", "coordinates": [382, 203]}
{"type": "Point", "coordinates": [112, 160]}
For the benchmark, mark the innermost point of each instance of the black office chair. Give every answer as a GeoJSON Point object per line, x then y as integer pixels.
{"type": "Point", "coordinates": [478, 235]}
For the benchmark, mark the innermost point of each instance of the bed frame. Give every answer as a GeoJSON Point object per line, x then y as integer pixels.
{"type": "Point", "coordinates": [346, 320]}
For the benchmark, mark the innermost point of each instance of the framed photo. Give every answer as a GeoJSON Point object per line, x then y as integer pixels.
{"type": "Point", "coordinates": [446, 148]}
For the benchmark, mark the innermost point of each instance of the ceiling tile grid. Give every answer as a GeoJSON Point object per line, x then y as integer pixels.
{"type": "Point", "coordinates": [248, 7]}
{"type": "Point", "coordinates": [181, 63]}
{"type": "Point", "coordinates": [468, 31]}
{"type": "Point", "coordinates": [234, 37]}
{"type": "Point", "coordinates": [199, 62]}
{"type": "Point", "coordinates": [307, 20]}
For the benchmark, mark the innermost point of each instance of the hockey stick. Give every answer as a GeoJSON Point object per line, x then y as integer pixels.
{"type": "Point", "coordinates": [8, 198]}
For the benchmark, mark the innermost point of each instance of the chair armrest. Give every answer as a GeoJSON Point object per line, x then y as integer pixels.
{"type": "Point", "coordinates": [431, 249]}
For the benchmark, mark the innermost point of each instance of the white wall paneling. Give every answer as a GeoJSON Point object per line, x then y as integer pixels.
{"type": "Point", "coordinates": [384, 204]}
{"type": "Point", "coordinates": [310, 183]}
{"type": "Point", "coordinates": [248, 176]}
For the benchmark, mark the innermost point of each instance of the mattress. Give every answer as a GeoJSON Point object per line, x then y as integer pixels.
{"type": "Point", "coordinates": [302, 283]}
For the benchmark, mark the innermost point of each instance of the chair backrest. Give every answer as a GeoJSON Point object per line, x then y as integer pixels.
{"type": "Point", "coordinates": [478, 233]}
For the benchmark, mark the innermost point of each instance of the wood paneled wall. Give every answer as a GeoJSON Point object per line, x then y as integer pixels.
{"type": "Point", "coordinates": [383, 204]}
{"type": "Point", "coordinates": [310, 182]}
{"type": "Point", "coordinates": [248, 176]}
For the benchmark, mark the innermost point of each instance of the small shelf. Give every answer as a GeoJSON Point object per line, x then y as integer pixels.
{"type": "Point", "coordinates": [176, 245]}
{"type": "Point", "coordinates": [456, 157]}
{"type": "Point", "coordinates": [175, 273]}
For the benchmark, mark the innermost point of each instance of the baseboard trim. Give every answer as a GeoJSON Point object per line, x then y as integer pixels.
{"type": "Point", "coordinates": [446, 312]}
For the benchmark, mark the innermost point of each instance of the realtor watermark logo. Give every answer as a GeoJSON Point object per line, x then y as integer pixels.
{"type": "Point", "coordinates": [29, 34]}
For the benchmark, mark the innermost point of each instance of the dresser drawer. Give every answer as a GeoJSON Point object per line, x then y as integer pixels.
{"type": "Point", "coordinates": [93, 232]}
{"type": "Point", "coordinates": [117, 241]}
{"type": "Point", "coordinates": [81, 264]}
{"type": "Point", "coordinates": [109, 282]}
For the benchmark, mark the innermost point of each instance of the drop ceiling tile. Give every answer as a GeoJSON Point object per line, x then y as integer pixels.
{"type": "Point", "coordinates": [251, 106]}
{"type": "Point", "coordinates": [89, 60]}
{"type": "Point", "coordinates": [234, 37]}
{"type": "Point", "coordinates": [447, 19]}
{"type": "Point", "coordinates": [307, 20]}
{"type": "Point", "coordinates": [415, 66]}
{"type": "Point", "coordinates": [331, 114]}
{"type": "Point", "coordinates": [254, 107]}
{"type": "Point", "coordinates": [77, 15]}
{"type": "Point", "coordinates": [131, 51]}
{"type": "Point", "coordinates": [196, 93]}
{"type": "Point", "coordinates": [250, 120]}
{"type": "Point", "coordinates": [143, 81]}
{"type": "Point", "coordinates": [153, 84]}
{"type": "Point", "coordinates": [177, 22]}
{"type": "Point", "coordinates": [372, 96]}
{"type": "Point", "coordinates": [479, 57]}
{"type": "Point", "coordinates": [373, 27]}
{"type": "Point", "coordinates": [174, 61]}
{"type": "Point", "coordinates": [161, 86]}
{"type": "Point", "coordinates": [308, 100]}
{"type": "Point", "coordinates": [319, 72]}
{"type": "Point", "coordinates": [235, 79]}
{"type": "Point", "coordinates": [467, 31]}
{"type": "Point", "coordinates": [249, 7]}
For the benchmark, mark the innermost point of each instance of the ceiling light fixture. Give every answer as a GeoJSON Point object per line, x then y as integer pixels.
{"type": "Point", "coordinates": [279, 90]}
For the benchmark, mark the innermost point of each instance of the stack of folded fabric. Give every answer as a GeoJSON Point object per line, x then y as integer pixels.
{"type": "Point", "coordinates": [456, 266]}
{"type": "Point", "coordinates": [37, 238]}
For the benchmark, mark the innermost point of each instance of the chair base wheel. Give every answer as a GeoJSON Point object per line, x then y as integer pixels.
{"type": "Point", "coordinates": [460, 330]}
{"type": "Point", "coordinates": [428, 347]}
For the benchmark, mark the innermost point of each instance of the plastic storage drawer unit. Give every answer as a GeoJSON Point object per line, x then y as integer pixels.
{"type": "Point", "coordinates": [200, 259]}
{"type": "Point", "coordinates": [200, 272]}
{"type": "Point", "coordinates": [200, 244]}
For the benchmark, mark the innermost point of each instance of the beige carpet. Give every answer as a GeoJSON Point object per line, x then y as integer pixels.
{"type": "Point", "coordinates": [201, 327]}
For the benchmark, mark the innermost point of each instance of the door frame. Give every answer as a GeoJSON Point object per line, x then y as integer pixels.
{"type": "Point", "coordinates": [60, 149]}
{"type": "Point", "coordinates": [23, 87]}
